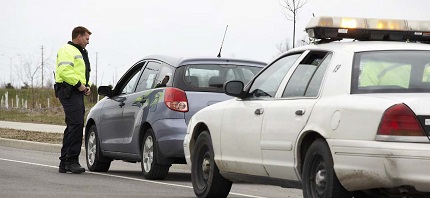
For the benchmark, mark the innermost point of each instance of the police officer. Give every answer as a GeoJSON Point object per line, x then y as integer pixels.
{"type": "Point", "coordinates": [72, 74]}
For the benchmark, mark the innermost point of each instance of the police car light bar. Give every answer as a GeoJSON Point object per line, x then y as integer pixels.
{"type": "Point", "coordinates": [338, 28]}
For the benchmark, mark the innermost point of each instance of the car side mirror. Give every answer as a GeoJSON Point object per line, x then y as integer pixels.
{"type": "Point", "coordinates": [234, 88]}
{"type": "Point", "coordinates": [105, 91]}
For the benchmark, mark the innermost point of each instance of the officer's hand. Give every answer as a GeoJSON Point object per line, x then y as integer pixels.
{"type": "Point", "coordinates": [82, 88]}
{"type": "Point", "coordinates": [87, 91]}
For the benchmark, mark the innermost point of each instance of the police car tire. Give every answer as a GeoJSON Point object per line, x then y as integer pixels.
{"type": "Point", "coordinates": [318, 159]}
{"type": "Point", "coordinates": [209, 182]}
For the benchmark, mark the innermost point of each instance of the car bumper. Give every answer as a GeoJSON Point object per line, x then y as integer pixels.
{"type": "Point", "coordinates": [187, 153]}
{"type": "Point", "coordinates": [170, 135]}
{"type": "Point", "coordinates": [371, 164]}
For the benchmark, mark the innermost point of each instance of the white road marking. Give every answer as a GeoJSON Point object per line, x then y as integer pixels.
{"type": "Point", "coordinates": [122, 177]}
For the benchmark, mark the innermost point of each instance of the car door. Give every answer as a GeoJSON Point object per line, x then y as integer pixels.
{"type": "Point", "coordinates": [137, 106]}
{"type": "Point", "coordinates": [286, 115]}
{"type": "Point", "coordinates": [111, 122]}
{"type": "Point", "coordinates": [243, 118]}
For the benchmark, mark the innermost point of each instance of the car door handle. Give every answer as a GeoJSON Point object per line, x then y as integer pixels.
{"type": "Point", "coordinates": [259, 111]}
{"type": "Point", "coordinates": [121, 104]}
{"type": "Point", "coordinates": [300, 112]}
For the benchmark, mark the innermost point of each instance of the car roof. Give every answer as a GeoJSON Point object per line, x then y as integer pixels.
{"type": "Point", "coordinates": [359, 46]}
{"type": "Point", "coordinates": [180, 61]}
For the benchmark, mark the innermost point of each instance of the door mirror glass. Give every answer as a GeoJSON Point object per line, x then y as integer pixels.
{"type": "Point", "coordinates": [234, 88]}
{"type": "Point", "coordinates": [105, 91]}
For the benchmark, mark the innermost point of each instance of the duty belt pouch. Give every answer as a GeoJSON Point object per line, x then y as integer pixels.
{"type": "Point", "coordinates": [56, 89]}
{"type": "Point", "coordinates": [67, 90]}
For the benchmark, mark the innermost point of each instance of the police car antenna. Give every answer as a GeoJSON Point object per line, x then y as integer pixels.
{"type": "Point", "coordinates": [219, 53]}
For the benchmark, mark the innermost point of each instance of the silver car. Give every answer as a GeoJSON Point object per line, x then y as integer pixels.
{"type": "Point", "coordinates": [144, 118]}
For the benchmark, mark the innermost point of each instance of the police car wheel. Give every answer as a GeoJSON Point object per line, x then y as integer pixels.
{"type": "Point", "coordinates": [205, 176]}
{"type": "Point", "coordinates": [318, 176]}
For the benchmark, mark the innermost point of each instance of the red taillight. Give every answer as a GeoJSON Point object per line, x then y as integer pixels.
{"type": "Point", "coordinates": [176, 99]}
{"type": "Point", "coordinates": [400, 120]}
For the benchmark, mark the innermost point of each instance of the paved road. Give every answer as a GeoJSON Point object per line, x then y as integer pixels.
{"type": "Point", "coordinates": [35, 174]}
{"type": "Point", "coordinates": [30, 169]}
{"type": "Point", "coordinates": [28, 173]}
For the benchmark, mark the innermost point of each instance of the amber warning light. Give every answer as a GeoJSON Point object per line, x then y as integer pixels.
{"type": "Point", "coordinates": [338, 28]}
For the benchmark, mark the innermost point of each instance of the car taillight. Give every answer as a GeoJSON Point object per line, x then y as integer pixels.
{"type": "Point", "coordinates": [176, 99]}
{"type": "Point", "coordinates": [400, 120]}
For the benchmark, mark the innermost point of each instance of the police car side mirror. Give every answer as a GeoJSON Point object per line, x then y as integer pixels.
{"type": "Point", "coordinates": [105, 91]}
{"type": "Point", "coordinates": [234, 88]}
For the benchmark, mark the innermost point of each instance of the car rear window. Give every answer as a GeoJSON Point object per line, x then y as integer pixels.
{"type": "Point", "coordinates": [391, 72]}
{"type": "Point", "coordinates": [211, 77]}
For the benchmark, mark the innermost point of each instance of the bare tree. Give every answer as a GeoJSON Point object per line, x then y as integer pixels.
{"type": "Point", "coordinates": [291, 10]}
{"type": "Point", "coordinates": [283, 46]}
{"type": "Point", "coordinates": [305, 40]}
{"type": "Point", "coordinates": [49, 83]}
{"type": "Point", "coordinates": [28, 72]}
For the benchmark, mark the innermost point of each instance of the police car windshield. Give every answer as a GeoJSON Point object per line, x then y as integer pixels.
{"type": "Point", "coordinates": [391, 72]}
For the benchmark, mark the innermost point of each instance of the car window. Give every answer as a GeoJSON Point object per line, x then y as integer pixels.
{"type": "Point", "coordinates": [316, 81]}
{"type": "Point", "coordinates": [267, 83]}
{"type": "Point", "coordinates": [230, 75]}
{"type": "Point", "coordinates": [128, 84]}
{"type": "Point", "coordinates": [165, 79]}
{"type": "Point", "coordinates": [306, 79]}
{"type": "Point", "coordinates": [149, 74]}
{"type": "Point", "coordinates": [426, 76]}
{"type": "Point", "coordinates": [391, 71]}
{"type": "Point", "coordinates": [213, 76]}
{"type": "Point", "coordinates": [248, 74]}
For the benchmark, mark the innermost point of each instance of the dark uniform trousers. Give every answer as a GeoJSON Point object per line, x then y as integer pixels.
{"type": "Point", "coordinates": [74, 108]}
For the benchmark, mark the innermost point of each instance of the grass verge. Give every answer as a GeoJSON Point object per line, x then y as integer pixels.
{"type": "Point", "coordinates": [52, 138]}
{"type": "Point", "coordinates": [40, 116]}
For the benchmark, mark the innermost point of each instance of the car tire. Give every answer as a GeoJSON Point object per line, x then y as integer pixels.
{"type": "Point", "coordinates": [150, 168]}
{"type": "Point", "coordinates": [318, 176]}
{"type": "Point", "coordinates": [96, 162]}
{"type": "Point", "coordinates": [205, 176]}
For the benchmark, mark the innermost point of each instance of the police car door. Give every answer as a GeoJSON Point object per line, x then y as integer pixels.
{"type": "Point", "coordinates": [242, 120]}
{"type": "Point", "coordinates": [287, 115]}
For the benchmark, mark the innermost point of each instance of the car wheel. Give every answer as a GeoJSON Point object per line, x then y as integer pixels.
{"type": "Point", "coordinates": [95, 161]}
{"type": "Point", "coordinates": [318, 176]}
{"type": "Point", "coordinates": [205, 176]}
{"type": "Point", "coordinates": [150, 168]}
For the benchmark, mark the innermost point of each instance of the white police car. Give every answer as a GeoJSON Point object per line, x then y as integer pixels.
{"type": "Point", "coordinates": [337, 119]}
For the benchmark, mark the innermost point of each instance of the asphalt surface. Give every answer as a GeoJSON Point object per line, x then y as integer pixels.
{"type": "Point", "coordinates": [26, 173]}
{"type": "Point", "coordinates": [30, 169]}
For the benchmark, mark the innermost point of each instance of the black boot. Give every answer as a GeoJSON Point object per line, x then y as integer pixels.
{"type": "Point", "coordinates": [62, 167]}
{"type": "Point", "coordinates": [74, 167]}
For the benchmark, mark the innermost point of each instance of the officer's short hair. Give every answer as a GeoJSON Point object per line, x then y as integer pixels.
{"type": "Point", "coordinates": [80, 30]}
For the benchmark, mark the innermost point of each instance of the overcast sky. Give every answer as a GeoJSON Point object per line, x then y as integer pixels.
{"type": "Point", "coordinates": [128, 30]}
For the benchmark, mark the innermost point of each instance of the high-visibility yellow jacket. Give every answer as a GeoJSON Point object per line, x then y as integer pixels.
{"type": "Point", "coordinates": [70, 66]}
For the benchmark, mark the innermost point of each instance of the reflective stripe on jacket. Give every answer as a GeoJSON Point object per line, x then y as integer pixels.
{"type": "Point", "coordinates": [70, 66]}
